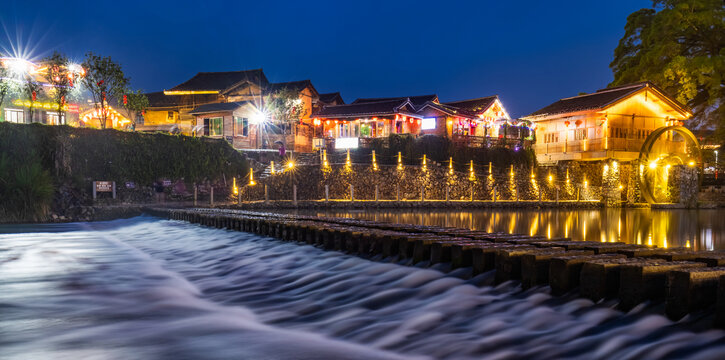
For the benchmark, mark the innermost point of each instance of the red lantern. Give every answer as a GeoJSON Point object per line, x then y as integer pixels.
{"type": "Point", "coordinates": [143, 112]}
{"type": "Point", "coordinates": [125, 99]}
{"type": "Point", "coordinates": [35, 96]}
{"type": "Point", "coordinates": [566, 123]}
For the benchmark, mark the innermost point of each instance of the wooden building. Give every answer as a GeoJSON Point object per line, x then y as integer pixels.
{"type": "Point", "coordinates": [236, 122]}
{"type": "Point", "coordinates": [171, 109]}
{"type": "Point", "coordinates": [611, 123]}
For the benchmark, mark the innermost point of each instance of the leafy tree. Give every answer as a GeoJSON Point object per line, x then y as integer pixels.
{"type": "Point", "coordinates": [679, 45]}
{"type": "Point", "coordinates": [60, 78]}
{"type": "Point", "coordinates": [31, 89]}
{"type": "Point", "coordinates": [136, 102]}
{"type": "Point", "coordinates": [104, 79]}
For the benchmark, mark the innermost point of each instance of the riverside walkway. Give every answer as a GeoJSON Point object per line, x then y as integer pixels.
{"type": "Point", "coordinates": [688, 281]}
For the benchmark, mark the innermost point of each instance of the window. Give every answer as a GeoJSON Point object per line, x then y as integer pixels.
{"type": "Point", "coordinates": [241, 126]}
{"type": "Point", "coordinates": [580, 134]}
{"type": "Point", "coordinates": [53, 118]}
{"type": "Point", "coordinates": [216, 126]}
{"type": "Point", "coordinates": [170, 116]}
{"type": "Point", "coordinates": [551, 138]}
{"type": "Point", "coordinates": [14, 116]}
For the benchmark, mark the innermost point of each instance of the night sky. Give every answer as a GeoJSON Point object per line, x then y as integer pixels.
{"type": "Point", "coordinates": [531, 53]}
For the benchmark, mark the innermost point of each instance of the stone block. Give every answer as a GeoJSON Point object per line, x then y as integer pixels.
{"type": "Point", "coordinates": [600, 278]}
{"type": "Point", "coordinates": [535, 265]}
{"type": "Point", "coordinates": [691, 289]}
{"type": "Point", "coordinates": [647, 281]}
{"type": "Point", "coordinates": [564, 271]}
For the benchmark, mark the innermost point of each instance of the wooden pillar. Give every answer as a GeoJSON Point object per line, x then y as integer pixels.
{"type": "Point", "coordinates": [397, 195]}
{"type": "Point", "coordinates": [352, 193]}
{"type": "Point", "coordinates": [327, 193]}
{"type": "Point", "coordinates": [294, 194]}
{"type": "Point", "coordinates": [266, 194]}
{"type": "Point", "coordinates": [422, 193]}
{"type": "Point", "coordinates": [448, 190]}
{"type": "Point", "coordinates": [211, 198]}
{"type": "Point", "coordinates": [195, 194]}
{"type": "Point", "coordinates": [376, 193]}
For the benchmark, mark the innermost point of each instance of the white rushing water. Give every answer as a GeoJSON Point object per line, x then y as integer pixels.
{"type": "Point", "coordinates": [146, 288]}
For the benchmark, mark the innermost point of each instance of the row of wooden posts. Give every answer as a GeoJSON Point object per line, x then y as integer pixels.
{"type": "Point", "coordinates": [397, 196]}
{"type": "Point", "coordinates": [689, 281]}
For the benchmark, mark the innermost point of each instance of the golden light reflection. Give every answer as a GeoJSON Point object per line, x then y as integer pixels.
{"type": "Point", "coordinates": [271, 168]}
{"type": "Point", "coordinates": [251, 178]}
{"type": "Point", "coordinates": [400, 161]}
{"type": "Point", "coordinates": [450, 166]}
{"type": "Point", "coordinates": [375, 162]}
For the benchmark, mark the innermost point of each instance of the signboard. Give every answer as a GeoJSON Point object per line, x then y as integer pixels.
{"type": "Point", "coordinates": [428, 124]}
{"type": "Point", "coordinates": [347, 143]}
{"type": "Point", "coordinates": [130, 185]}
{"type": "Point", "coordinates": [104, 186]}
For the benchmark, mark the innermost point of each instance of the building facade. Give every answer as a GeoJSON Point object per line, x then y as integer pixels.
{"type": "Point", "coordinates": [611, 123]}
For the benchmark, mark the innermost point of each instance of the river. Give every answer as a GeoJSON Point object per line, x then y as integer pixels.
{"type": "Point", "coordinates": [696, 229]}
{"type": "Point", "coordinates": [148, 288]}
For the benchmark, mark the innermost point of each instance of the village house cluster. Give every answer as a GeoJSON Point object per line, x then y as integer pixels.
{"type": "Point", "coordinates": [243, 107]}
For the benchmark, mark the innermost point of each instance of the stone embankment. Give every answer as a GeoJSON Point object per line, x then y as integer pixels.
{"type": "Point", "coordinates": [687, 281]}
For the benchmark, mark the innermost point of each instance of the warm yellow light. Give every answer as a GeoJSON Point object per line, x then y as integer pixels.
{"type": "Point", "coordinates": [235, 189]}
{"type": "Point", "coordinates": [251, 177]}
{"type": "Point", "coordinates": [375, 162]}
{"type": "Point", "coordinates": [551, 178]}
{"type": "Point", "coordinates": [606, 168]}
{"type": "Point", "coordinates": [512, 170]}
{"type": "Point", "coordinates": [190, 92]}
{"type": "Point", "coordinates": [586, 183]}
{"type": "Point", "coordinates": [691, 163]}
{"type": "Point", "coordinates": [325, 164]}
{"type": "Point", "coordinates": [290, 164]}
{"type": "Point", "coordinates": [472, 173]}
{"type": "Point", "coordinates": [348, 162]}
{"type": "Point", "coordinates": [621, 187]}
{"type": "Point", "coordinates": [424, 163]}
{"type": "Point", "coordinates": [687, 244]}
{"type": "Point", "coordinates": [271, 165]}
{"type": "Point", "coordinates": [400, 161]}
{"type": "Point", "coordinates": [450, 166]}
{"type": "Point", "coordinates": [668, 166]}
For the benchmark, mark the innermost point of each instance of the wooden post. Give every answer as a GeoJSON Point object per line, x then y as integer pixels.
{"type": "Point", "coordinates": [471, 193]}
{"type": "Point", "coordinates": [266, 194]}
{"type": "Point", "coordinates": [516, 189]}
{"type": "Point", "coordinates": [294, 194]}
{"type": "Point", "coordinates": [352, 193]}
{"type": "Point", "coordinates": [94, 190]}
{"type": "Point", "coordinates": [211, 198]}
{"type": "Point", "coordinates": [541, 197]}
{"type": "Point", "coordinates": [327, 193]}
{"type": "Point", "coordinates": [494, 194]}
{"type": "Point", "coordinates": [195, 194]}
{"type": "Point", "coordinates": [114, 189]}
{"type": "Point", "coordinates": [422, 193]}
{"type": "Point", "coordinates": [448, 190]}
{"type": "Point", "coordinates": [376, 193]}
{"type": "Point", "coordinates": [577, 195]}
{"type": "Point", "coordinates": [397, 195]}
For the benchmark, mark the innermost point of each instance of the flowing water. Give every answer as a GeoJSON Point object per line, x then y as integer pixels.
{"type": "Point", "coordinates": [696, 229]}
{"type": "Point", "coordinates": [146, 288]}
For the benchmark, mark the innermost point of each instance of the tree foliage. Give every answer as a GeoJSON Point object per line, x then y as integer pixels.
{"type": "Point", "coordinates": [285, 105]}
{"type": "Point", "coordinates": [104, 79]}
{"type": "Point", "coordinates": [680, 46]}
{"type": "Point", "coordinates": [60, 78]}
{"type": "Point", "coordinates": [136, 102]}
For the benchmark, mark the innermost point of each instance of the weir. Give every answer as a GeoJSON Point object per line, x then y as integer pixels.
{"type": "Point", "coordinates": [687, 280]}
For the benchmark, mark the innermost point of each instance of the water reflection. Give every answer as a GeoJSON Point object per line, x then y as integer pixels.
{"type": "Point", "coordinates": [698, 229]}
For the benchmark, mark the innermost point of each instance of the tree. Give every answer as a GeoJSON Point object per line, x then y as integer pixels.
{"type": "Point", "coordinates": [31, 89]}
{"type": "Point", "coordinates": [135, 103]}
{"type": "Point", "coordinates": [284, 107]}
{"type": "Point", "coordinates": [61, 79]}
{"type": "Point", "coordinates": [104, 78]}
{"type": "Point", "coordinates": [680, 46]}
{"type": "Point", "coordinates": [4, 88]}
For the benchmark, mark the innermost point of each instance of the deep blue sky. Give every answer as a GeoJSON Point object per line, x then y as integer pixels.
{"type": "Point", "coordinates": [531, 53]}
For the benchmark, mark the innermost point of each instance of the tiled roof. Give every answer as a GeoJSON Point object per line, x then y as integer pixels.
{"type": "Point", "coordinates": [158, 99]}
{"type": "Point", "coordinates": [474, 105]}
{"type": "Point", "coordinates": [218, 107]}
{"type": "Point", "coordinates": [379, 108]}
{"type": "Point", "coordinates": [220, 81]}
{"type": "Point", "coordinates": [332, 97]}
{"type": "Point", "coordinates": [450, 110]}
{"type": "Point", "coordinates": [290, 85]}
{"type": "Point", "coordinates": [416, 100]}
{"type": "Point", "coordinates": [600, 99]}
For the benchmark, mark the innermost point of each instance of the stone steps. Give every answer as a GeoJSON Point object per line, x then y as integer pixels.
{"type": "Point", "coordinates": [686, 280]}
